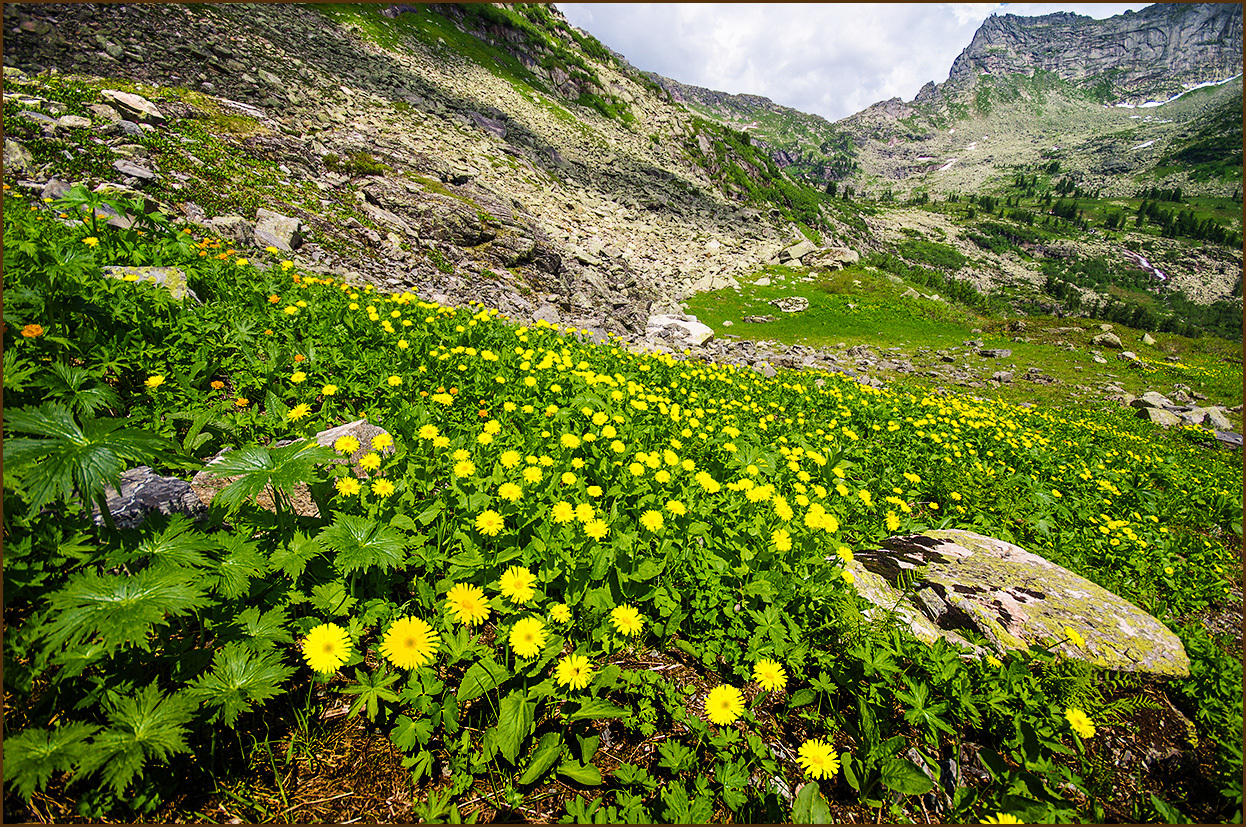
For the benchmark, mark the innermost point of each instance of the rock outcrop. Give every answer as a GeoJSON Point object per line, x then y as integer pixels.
{"type": "Point", "coordinates": [943, 583]}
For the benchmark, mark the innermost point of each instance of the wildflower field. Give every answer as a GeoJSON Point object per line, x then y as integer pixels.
{"type": "Point", "coordinates": [571, 581]}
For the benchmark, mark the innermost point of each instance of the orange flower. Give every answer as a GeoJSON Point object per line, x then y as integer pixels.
{"type": "Point", "coordinates": [30, 331]}
{"type": "Point", "coordinates": [298, 357]}
{"type": "Point", "coordinates": [274, 299]}
{"type": "Point", "coordinates": [217, 385]}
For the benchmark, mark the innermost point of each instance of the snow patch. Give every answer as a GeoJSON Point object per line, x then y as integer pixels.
{"type": "Point", "coordinates": [1144, 145]}
{"type": "Point", "coordinates": [948, 165]}
{"type": "Point", "coordinates": [1188, 89]}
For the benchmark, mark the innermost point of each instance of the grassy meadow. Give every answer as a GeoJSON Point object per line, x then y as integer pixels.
{"type": "Point", "coordinates": [577, 581]}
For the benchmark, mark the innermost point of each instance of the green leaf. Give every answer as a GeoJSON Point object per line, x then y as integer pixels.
{"type": "Point", "coordinates": [32, 756]}
{"type": "Point", "coordinates": [178, 545]}
{"type": "Point", "coordinates": [543, 757]}
{"type": "Point", "coordinates": [241, 563]}
{"type": "Point", "coordinates": [293, 557]}
{"type": "Point", "coordinates": [810, 806]}
{"type": "Point", "coordinates": [283, 468]}
{"type": "Point", "coordinates": [516, 716]}
{"type": "Point", "coordinates": [409, 733]}
{"type": "Point", "coordinates": [675, 799]}
{"type": "Point", "coordinates": [332, 599]}
{"type": "Point", "coordinates": [361, 543]}
{"type": "Point", "coordinates": [146, 726]}
{"type": "Point", "coordinates": [905, 777]}
{"type": "Point", "coordinates": [483, 675]}
{"type": "Point", "coordinates": [594, 708]}
{"type": "Point", "coordinates": [1167, 813]}
{"type": "Point", "coordinates": [71, 457]}
{"type": "Point", "coordinates": [263, 631]}
{"type": "Point", "coordinates": [429, 514]}
{"type": "Point", "coordinates": [240, 677]}
{"type": "Point", "coordinates": [371, 689]}
{"type": "Point", "coordinates": [120, 609]}
{"type": "Point", "coordinates": [802, 697]}
{"type": "Point", "coordinates": [580, 773]}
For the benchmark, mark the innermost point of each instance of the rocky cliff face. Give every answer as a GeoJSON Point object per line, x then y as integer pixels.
{"type": "Point", "coordinates": [1137, 56]}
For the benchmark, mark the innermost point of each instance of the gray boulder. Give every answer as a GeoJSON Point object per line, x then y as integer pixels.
{"type": "Point", "coordinates": [791, 304]}
{"type": "Point", "coordinates": [232, 228]}
{"type": "Point", "coordinates": [144, 492]}
{"type": "Point", "coordinates": [1012, 598]}
{"type": "Point", "coordinates": [684, 329]}
{"type": "Point", "coordinates": [831, 258]}
{"type": "Point", "coordinates": [1107, 340]}
{"type": "Point", "coordinates": [17, 158]}
{"type": "Point", "coordinates": [172, 279]}
{"type": "Point", "coordinates": [1148, 339]}
{"type": "Point", "coordinates": [1002, 376]}
{"type": "Point", "coordinates": [797, 251]}
{"type": "Point", "coordinates": [1217, 420]}
{"type": "Point", "coordinates": [1159, 416]}
{"type": "Point", "coordinates": [276, 230]}
{"type": "Point", "coordinates": [1151, 399]}
{"type": "Point", "coordinates": [996, 353]}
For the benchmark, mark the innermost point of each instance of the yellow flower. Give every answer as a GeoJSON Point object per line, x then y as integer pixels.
{"type": "Point", "coordinates": [467, 603]}
{"type": "Point", "coordinates": [532, 474]}
{"type": "Point", "coordinates": [217, 385]}
{"type": "Point", "coordinates": [154, 381]}
{"type": "Point", "coordinates": [509, 459]}
{"type": "Point", "coordinates": [382, 488]}
{"type": "Point", "coordinates": [346, 445]}
{"type": "Point", "coordinates": [489, 523]}
{"type": "Point", "coordinates": [893, 522]}
{"type": "Point", "coordinates": [527, 637]}
{"type": "Point", "coordinates": [516, 584]}
{"type": "Point", "coordinates": [369, 461]}
{"type": "Point", "coordinates": [848, 576]}
{"type": "Point", "coordinates": [596, 529]}
{"type": "Point", "coordinates": [326, 647]}
{"type": "Point", "coordinates": [347, 486]}
{"type": "Point", "coordinates": [510, 492]}
{"type": "Point", "coordinates": [298, 412]}
{"type": "Point", "coordinates": [272, 250]}
{"type": "Point", "coordinates": [724, 704]}
{"type": "Point", "coordinates": [560, 612]}
{"type": "Point", "coordinates": [562, 512]}
{"type": "Point", "coordinates": [240, 261]}
{"type": "Point", "coordinates": [568, 478]}
{"type": "Point", "coordinates": [329, 390]}
{"type": "Point", "coordinates": [1074, 637]}
{"type": "Point", "coordinates": [30, 331]}
{"type": "Point", "coordinates": [844, 553]}
{"type": "Point", "coordinates": [1080, 722]}
{"type": "Point", "coordinates": [91, 241]}
{"type": "Point", "coordinates": [410, 643]}
{"type": "Point", "coordinates": [585, 513]}
{"type": "Point", "coordinates": [574, 671]}
{"type": "Point", "coordinates": [865, 496]}
{"type": "Point", "coordinates": [782, 539]}
{"type": "Point", "coordinates": [1002, 818]}
{"type": "Point", "coordinates": [394, 381]}
{"type": "Point", "coordinates": [242, 401]}
{"type": "Point", "coordinates": [637, 469]}
{"type": "Point", "coordinates": [286, 265]}
{"type": "Point", "coordinates": [464, 468]}
{"type": "Point", "coordinates": [769, 675]}
{"type": "Point", "coordinates": [428, 431]}
{"type": "Point", "coordinates": [594, 491]}
{"type": "Point", "coordinates": [569, 441]}
{"type": "Point", "coordinates": [627, 620]}
{"type": "Point", "coordinates": [818, 759]}
{"type": "Point", "coordinates": [676, 507]}
{"type": "Point", "coordinates": [652, 520]}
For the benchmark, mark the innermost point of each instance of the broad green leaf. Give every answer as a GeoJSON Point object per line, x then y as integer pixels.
{"type": "Point", "coordinates": [242, 562]}
{"type": "Point", "coordinates": [32, 756]}
{"type": "Point", "coordinates": [802, 697]}
{"type": "Point", "coordinates": [810, 806]}
{"type": "Point", "coordinates": [675, 799]}
{"type": "Point", "coordinates": [361, 543]}
{"type": "Point", "coordinates": [120, 609]}
{"type": "Point", "coordinates": [146, 726]}
{"type": "Point", "coordinates": [240, 677]}
{"type": "Point", "coordinates": [263, 631]}
{"type": "Point", "coordinates": [516, 716]}
{"type": "Point", "coordinates": [543, 757]}
{"type": "Point", "coordinates": [408, 734]}
{"type": "Point", "coordinates": [293, 557]}
{"type": "Point", "coordinates": [580, 773]}
{"type": "Point", "coordinates": [283, 468]}
{"type": "Point", "coordinates": [593, 708]}
{"type": "Point", "coordinates": [371, 689]}
{"type": "Point", "coordinates": [482, 676]}
{"type": "Point", "coordinates": [332, 599]}
{"type": "Point", "coordinates": [905, 777]}
{"type": "Point", "coordinates": [178, 545]}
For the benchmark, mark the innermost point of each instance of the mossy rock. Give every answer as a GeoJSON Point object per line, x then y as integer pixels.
{"type": "Point", "coordinates": [946, 582]}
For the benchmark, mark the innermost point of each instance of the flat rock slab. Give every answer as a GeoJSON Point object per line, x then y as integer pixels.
{"type": "Point", "coordinates": [1012, 598]}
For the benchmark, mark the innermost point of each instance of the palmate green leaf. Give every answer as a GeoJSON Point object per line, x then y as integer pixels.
{"type": "Point", "coordinates": [264, 631]}
{"type": "Point", "coordinates": [371, 689]}
{"type": "Point", "coordinates": [242, 562]}
{"type": "Point", "coordinates": [120, 609]}
{"type": "Point", "coordinates": [73, 457]}
{"type": "Point", "coordinates": [240, 678]}
{"type": "Point", "coordinates": [32, 756]}
{"type": "Point", "coordinates": [257, 467]}
{"type": "Point", "coordinates": [178, 545]}
{"type": "Point", "coordinates": [361, 543]}
{"type": "Point", "coordinates": [77, 387]}
{"type": "Point", "coordinates": [146, 726]}
{"type": "Point", "coordinates": [293, 557]}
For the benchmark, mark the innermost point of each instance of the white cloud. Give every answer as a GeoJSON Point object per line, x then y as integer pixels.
{"type": "Point", "coordinates": [829, 59]}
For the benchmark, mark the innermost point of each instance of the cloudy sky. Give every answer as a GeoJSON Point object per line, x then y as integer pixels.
{"type": "Point", "coordinates": [831, 59]}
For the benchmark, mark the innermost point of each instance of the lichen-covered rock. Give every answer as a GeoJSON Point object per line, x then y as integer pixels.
{"type": "Point", "coordinates": [172, 279]}
{"type": "Point", "coordinates": [1012, 598]}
